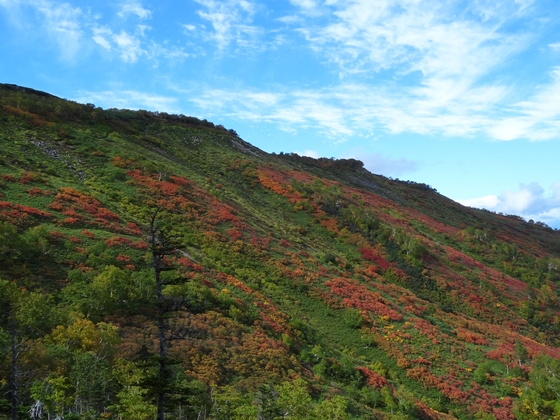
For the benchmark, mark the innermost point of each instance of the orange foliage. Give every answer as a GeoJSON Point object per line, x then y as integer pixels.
{"type": "Point", "coordinates": [34, 192]}
{"type": "Point", "coordinates": [471, 337]}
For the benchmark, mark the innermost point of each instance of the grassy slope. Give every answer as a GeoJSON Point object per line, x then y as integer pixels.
{"type": "Point", "coordinates": [290, 266]}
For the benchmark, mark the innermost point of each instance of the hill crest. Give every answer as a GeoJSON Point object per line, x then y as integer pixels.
{"type": "Point", "coordinates": [290, 277]}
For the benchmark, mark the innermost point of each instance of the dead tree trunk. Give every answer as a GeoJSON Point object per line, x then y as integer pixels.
{"type": "Point", "coordinates": [160, 247]}
{"type": "Point", "coordinates": [14, 367]}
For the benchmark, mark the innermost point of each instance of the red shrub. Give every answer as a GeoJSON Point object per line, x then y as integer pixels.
{"type": "Point", "coordinates": [373, 378]}
{"type": "Point", "coordinates": [89, 234]}
{"type": "Point", "coordinates": [370, 255]}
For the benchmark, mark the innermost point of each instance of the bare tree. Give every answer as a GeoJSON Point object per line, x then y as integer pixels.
{"type": "Point", "coordinates": [161, 245]}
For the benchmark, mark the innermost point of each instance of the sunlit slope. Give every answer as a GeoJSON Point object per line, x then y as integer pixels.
{"type": "Point", "coordinates": [386, 298]}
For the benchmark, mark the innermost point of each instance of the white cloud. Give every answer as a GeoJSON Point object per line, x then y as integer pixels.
{"type": "Point", "coordinates": [71, 28]}
{"type": "Point", "coordinates": [486, 202]}
{"type": "Point", "coordinates": [100, 35]}
{"type": "Point", "coordinates": [290, 110]}
{"type": "Point", "coordinates": [537, 118]}
{"type": "Point", "coordinates": [554, 47]}
{"type": "Point", "coordinates": [304, 4]}
{"type": "Point", "coordinates": [232, 23]}
{"type": "Point", "coordinates": [440, 56]}
{"type": "Point", "coordinates": [129, 99]}
{"type": "Point", "coordinates": [384, 165]}
{"type": "Point", "coordinates": [134, 9]}
{"type": "Point", "coordinates": [62, 23]}
{"type": "Point", "coordinates": [530, 201]}
{"type": "Point", "coordinates": [128, 46]}
{"type": "Point", "coordinates": [309, 153]}
{"type": "Point", "coordinates": [338, 112]}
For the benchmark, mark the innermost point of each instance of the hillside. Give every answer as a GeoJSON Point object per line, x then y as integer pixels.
{"type": "Point", "coordinates": [292, 287]}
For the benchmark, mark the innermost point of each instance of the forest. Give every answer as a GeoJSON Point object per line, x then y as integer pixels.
{"type": "Point", "coordinates": [157, 266]}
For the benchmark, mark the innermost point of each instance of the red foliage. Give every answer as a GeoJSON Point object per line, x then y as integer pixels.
{"type": "Point", "coordinates": [180, 180]}
{"type": "Point", "coordinates": [34, 192]}
{"type": "Point", "coordinates": [28, 177]}
{"type": "Point", "coordinates": [103, 213]}
{"type": "Point", "coordinates": [32, 211]}
{"type": "Point", "coordinates": [89, 234]}
{"type": "Point", "coordinates": [360, 297]}
{"type": "Point", "coordinates": [139, 245]}
{"type": "Point", "coordinates": [133, 228]}
{"type": "Point", "coordinates": [24, 209]}
{"type": "Point", "coordinates": [272, 180]}
{"type": "Point", "coordinates": [426, 329]}
{"type": "Point", "coordinates": [471, 337]}
{"type": "Point", "coordinates": [55, 234]}
{"type": "Point", "coordinates": [285, 243]}
{"type": "Point", "coordinates": [188, 264]}
{"type": "Point", "coordinates": [74, 204]}
{"type": "Point", "coordinates": [237, 283]}
{"type": "Point", "coordinates": [123, 258]}
{"type": "Point", "coordinates": [117, 241]}
{"type": "Point", "coordinates": [19, 215]}
{"type": "Point", "coordinates": [119, 162]}
{"type": "Point", "coordinates": [55, 206]}
{"type": "Point", "coordinates": [373, 256]}
{"type": "Point", "coordinates": [70, 221]}
{"type": "Point", "coordinates": [428, 379]}
{"type": "Point", "coordinates": [84, 268]}
{"type": "Point", "coordinates": [235, 234]}
{"type": "Point", "coordinates": [373, 378]}
{"type": "Point", "coordinates": [8, 178]}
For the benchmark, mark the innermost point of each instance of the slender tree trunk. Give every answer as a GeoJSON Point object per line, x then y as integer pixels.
{"type": "Point", "coordinates": [14, 372]}
{"type": "Point", "coordinates": [158, 253]}
{"type": "Point", "coordinates": [162, 344]}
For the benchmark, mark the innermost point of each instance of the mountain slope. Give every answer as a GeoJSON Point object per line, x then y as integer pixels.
{"type": "Point", "coordinates": [296, 286]}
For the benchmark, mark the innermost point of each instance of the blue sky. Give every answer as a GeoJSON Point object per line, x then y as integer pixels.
{"type": "Point", "coordinates": [461, 95]}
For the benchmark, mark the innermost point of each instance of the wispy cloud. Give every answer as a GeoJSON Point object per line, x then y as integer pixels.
{"type": "Point", "coordinates": [128, 9]}
{"type": "Point", "coordinates": [429, 64]}
{"type": "Point", "coordinates": [423, 67]}
{"type": "Point", "coordinates": [60, 23]}
{"type": "Point", "coordinates": [537, 118]}
{"type": "Point", "coordinates": [131, 46]}
{"type": "Point", "coordinates": [337, 112]}
{"type": "Point", "coordinates": [231, 21]}
{"type": "Point", "coordinates": [426, 36]}
{"type": "Point", "coordinates": [530, 201]}
{"type": "Point", "coordinates": [128, 46]}
{"type": "Point", "coordinates": [72, 29]}
{"type": "Point", "coordinates": [292, 110]}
